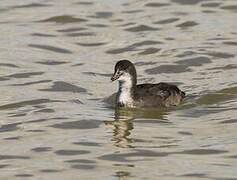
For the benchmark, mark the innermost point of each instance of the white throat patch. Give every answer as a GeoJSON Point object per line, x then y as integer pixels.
{"type": "Point", "coordinates": [125, 87]}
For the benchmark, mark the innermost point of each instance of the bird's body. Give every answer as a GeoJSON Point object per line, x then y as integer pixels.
{"type": "Point", "coordinates": [143, 95]}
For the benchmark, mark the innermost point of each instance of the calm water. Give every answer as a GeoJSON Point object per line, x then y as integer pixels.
{"type": "Point", "coordinates": [56, 61]}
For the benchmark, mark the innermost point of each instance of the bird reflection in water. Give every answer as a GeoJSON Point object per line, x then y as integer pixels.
{"type": "Point", "coordinates": [123, 123]}
{"type": "Point", "coordinates": [122, 174]}
{"type": "Point", "coordinates": [122, 126]}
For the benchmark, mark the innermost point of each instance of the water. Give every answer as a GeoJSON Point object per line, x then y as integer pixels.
{"type": "Point", "coordinates": [56, 61]}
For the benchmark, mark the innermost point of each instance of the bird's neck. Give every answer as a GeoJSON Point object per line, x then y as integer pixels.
{"type": "Point", "coordinates": [125, 96]}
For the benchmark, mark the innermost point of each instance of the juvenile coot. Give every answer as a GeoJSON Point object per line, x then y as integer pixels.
{"type": "Point", "coordinates": [143, 95]}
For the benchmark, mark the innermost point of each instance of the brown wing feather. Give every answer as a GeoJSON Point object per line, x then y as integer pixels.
{"type": "Point", "coordinates": [159, 94]}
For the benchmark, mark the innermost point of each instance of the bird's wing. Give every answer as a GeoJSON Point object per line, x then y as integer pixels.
{"type": "Point", "coordinates": [163, 90]}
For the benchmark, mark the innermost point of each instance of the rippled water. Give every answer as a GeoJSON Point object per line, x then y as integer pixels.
{"type": "Point", "coordinates": [56, 60]}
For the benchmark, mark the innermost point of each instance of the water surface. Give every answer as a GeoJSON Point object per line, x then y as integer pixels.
{"type": "Point", "coordinates": [56, 62]}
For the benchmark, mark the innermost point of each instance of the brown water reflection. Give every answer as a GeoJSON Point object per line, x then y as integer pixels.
{"type": "Point", "coordinates": [56, 60]}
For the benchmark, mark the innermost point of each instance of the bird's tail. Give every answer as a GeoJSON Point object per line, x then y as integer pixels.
{"type": "Point", "coordinates": [182, 94]}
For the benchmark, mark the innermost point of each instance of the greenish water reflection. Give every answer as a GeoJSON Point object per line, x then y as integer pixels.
{"type": "Point", "coordinates": [217, 97]}
{"type": "Point", "coordinates": [122, 124]}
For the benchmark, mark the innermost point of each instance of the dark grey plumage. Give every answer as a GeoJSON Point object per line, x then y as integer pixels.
{"type": "Point", "coordinates": [143, 95]}
{"type": "Point", "coordinates": [161, 94]}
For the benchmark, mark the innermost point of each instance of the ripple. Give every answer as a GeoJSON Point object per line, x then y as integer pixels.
{"type": "Point", "coordinates": [32, 5]}
{"type": "Point", "coordinates": [145, 63]}
{"type": "Point", "coordinates": [9, 127]}
{"type": "Point", "coordinates": [72, 29]}
{"type": "Point", "coordinates": [199, 175]}
{"type": "Point", "coordinates": [121, 50]}
{"type": "Point", "coordinates": [202, 152]}
{"type": "Point", "coordinates": [147, 42]}
{"type": "Point", "coordinates": [168, 69]}
{"type": "Point", "coordinates": [122, 174]}
{"type": "Point", "coordinates": [99, 74]}
{"type": "Point", "coordinates": [150, 51]}
{"type": "Point", "coordinates": [211, 4]}
{"type": "Point", "coordinates": [214, 98]}
{"type": "Point", "coordinates": [36, 130]}
{"type": "Point", "coordinates": [153, 121]}
{"type": "Point", "coordinates": [208, 11]}
{"type": "Point", "coordinates": [85, 161]}
{"type": "Point", "coordinates": [220, 54]}
{"type": "Point", "coordinates": [231, 121]}
{"type": "Point", "coordinates": [185, 53]}
{"type": "Point", "coordinates": [45, 110]}
{"type": "Point", "coordinates": [51, 62]}
{"type": "Point", "coordinates": [3, 79]}
{"type": "Point", "coordinates": [43, 35]}
{"type": "Point", "coordinates": [230, 7]}
{"type": "Point", "coordinates": [140, 28]}
{"type": "Point", "coordinates": [81, 34]}
{"type": "Point", "coordinates": [4, 165]}
{"type": "Point", "coordinates": [24, 175]}
{"type": "Point", "coordinates": [9, 65]}
{"type": "Point", "coordinates": [31, 83]}
{"type": "Point", "coordinates": [5, 157]}
{"type": "Point", "coordinates": [123, 157]}
{"type": "Point", "coordinates": [187, 2]}
{"type": "Point", "coordinates": [61, 86]}
{"type": "Point", "coordinates": [232, 156]}
{"type": "Point", "coordinates": [123, 165]}
{"type": "Point", "coordinates": [218, 39]}
{"type": "Point", "coordinates": [26, 103]}
{"type": "Point", "coordinates": [18, 115]}
{"type": "Point", "coordinates": [87, 143]}
{"type": "Point", "coordinates": [133, 11]}
{"type": "Point", "coordinates": [117, 20]}
{"type": "Point", "coordinates": [13, 138]}
{"type": "Point", "coordinates": [132, 47]}
{"type": "Point", "coordinates": [81, 124]}
{"type": "Point", "coordinates": [98, 25]}
{"type": "Point", "coordinates": [77, 101]}
{"type": "Point", "coordinates": [42, 149]}
{"type": "Point", "coordinates": [51, 48]}
{"type": "Point", "coordinates": [38, 120]}
{"type": "Point", "coordinates": [78, 64]}
{"type": "Point", "coordinates": [85, 3]}
{"type": "Point", "coordinates": [127, 24]}
{"type": "Point", "coordinates": [231, 90]}
{"type": "Point", "coordinates": [187, 24]}
{"type": "Point", "coordinates": [91, 44]}
{"type": "Point", "coordinates": [227, 67]}
{"type": "Point", "coordinates": [103, 15]}
{"type": "Point", "coordinates": [64, 152]}
{"type": "Point", "coordinates": [231, 43]}
{"type": "Point", "coordinates": [24, 75]}
{"type": "Point", "coordinates": [83, 166]}
{"type": "Point", "coordinates": [167, 21]}
{"type": "Point", "coordinates": [64, 19]}
{"type": "Point", "coordinates": [197, 61]}
{"type": "Point", "coordinates": [185, 133]}
{"type": "Point", "coordinates": [50, 170]}
{"type": "Point", "coordinates": [169, 38]}
{"type": "Point", "coordinates": [154, 4]}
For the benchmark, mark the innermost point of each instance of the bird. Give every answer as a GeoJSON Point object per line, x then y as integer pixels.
{"type": "Point", "coordinates": [132, 95]}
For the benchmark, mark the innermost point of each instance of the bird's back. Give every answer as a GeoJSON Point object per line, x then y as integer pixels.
{"type": "Point", "coordinates": [161, 94]}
